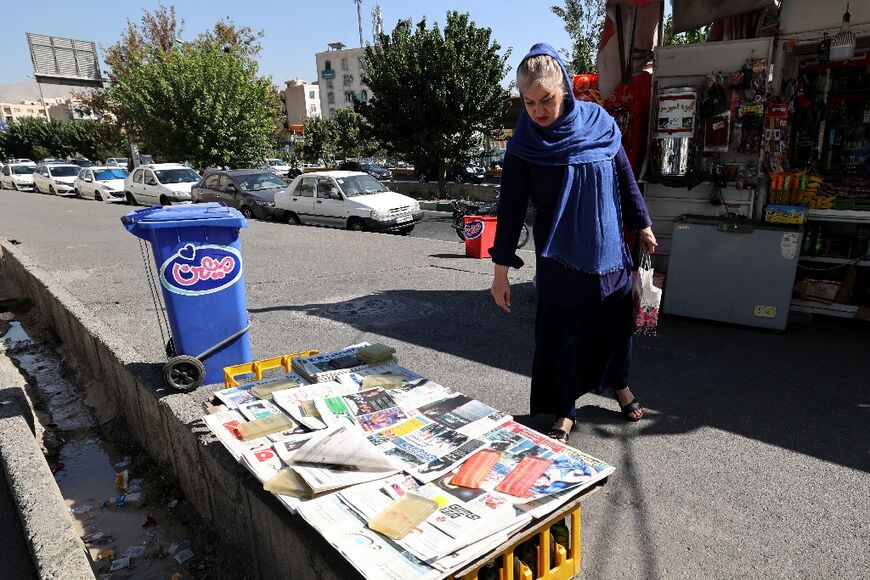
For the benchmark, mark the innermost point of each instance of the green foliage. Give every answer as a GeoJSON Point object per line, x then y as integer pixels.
{"type": "Point", "coordinates": [694, 36]}
{"type": "Point", "coordinates": [346, 132]}
{"type": "Point", "coordinates": [36, 138]}
{"type": "Point", "coordinates": [434, 94]}
{"type": "Point", "coordinates": [201, 101]}
{"type": "Point", "coordinates": [584, 21]}
{"type": "Point", "coordinates": [319, 141]}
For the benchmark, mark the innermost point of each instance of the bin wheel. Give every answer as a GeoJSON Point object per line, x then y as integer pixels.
{"type": "Point", "coordinates": [184, 373]}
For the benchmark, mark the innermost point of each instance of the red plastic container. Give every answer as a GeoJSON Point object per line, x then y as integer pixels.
{"type": "Point", "coordinates": [479, 235]}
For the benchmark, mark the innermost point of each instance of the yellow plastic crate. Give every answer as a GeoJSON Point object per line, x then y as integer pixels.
{"type": "Point", "coordinates": [567, 560]}
{"type": "Point", "coordinates": [259, 367]}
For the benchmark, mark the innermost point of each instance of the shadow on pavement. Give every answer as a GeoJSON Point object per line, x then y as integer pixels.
{"type": "Point", "coordinates": [805, 389]}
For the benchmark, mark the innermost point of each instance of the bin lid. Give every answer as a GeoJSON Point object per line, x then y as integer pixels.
{"type": "Point", "coordinates": [179, 216]}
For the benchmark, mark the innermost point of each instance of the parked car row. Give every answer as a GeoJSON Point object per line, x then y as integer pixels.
{"type": "Point", "coordinates": [349, 199]}
{"type": "Point", "coordinates": [458, 172]}
{"type": "Point", "coordinates": [18, 175]}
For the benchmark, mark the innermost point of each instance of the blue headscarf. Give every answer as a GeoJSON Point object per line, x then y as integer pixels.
{"type": "Point", "coordinates": [587, 227]}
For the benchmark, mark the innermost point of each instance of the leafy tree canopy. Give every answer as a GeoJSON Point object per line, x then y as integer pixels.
{"type": "Point", "coordinates": [584, 21]}
{"type": "Point", "coordinates": [694, 36]}
{"type": "Point", "coordinates": [319, 143]}
{"type": "Point", "coordinates": [434, 94]}
{"type": "Point", "coordinates": [36, 137]}
{"type": "Point", "coordinates": [201, 101]}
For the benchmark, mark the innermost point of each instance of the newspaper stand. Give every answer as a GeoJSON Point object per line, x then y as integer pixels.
{"type": "Point", "coordinates": [566, 560]}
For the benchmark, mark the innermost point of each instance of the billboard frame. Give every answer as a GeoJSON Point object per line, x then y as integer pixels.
{"type": "Point", "coordinates": [58, 60]}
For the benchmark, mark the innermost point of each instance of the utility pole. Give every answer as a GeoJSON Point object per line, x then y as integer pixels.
{"type": "Point", "coordinates": [359, 20]}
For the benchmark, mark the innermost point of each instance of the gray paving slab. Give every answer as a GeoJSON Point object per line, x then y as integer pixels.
{"type": "Point", "coordinates": [752, 460]}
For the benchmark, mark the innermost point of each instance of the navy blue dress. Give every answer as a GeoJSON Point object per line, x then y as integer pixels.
{"type": "Point", "coordinates": [583, 324]}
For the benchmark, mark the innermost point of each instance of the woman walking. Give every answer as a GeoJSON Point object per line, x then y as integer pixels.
{"type": "Point", "coordinates": [566, 155]}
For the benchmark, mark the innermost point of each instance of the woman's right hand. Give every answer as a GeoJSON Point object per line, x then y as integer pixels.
{"type": "Point", "coordinates": [501, 288]}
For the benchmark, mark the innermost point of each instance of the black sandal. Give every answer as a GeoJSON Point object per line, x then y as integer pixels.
{"type": "Point", "coordinates": [632, 407]}
{"type": "Point", "coordinates": [560, 435]}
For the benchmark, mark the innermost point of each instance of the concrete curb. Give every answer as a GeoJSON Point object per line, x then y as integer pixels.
{"type": "Point", "coordinates": [56, 549]}
{"type": "Point", "coordinates": [272, 542]}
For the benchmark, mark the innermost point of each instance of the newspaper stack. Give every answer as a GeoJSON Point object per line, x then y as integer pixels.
{"type": "Point", "coordinates": [345, 453]}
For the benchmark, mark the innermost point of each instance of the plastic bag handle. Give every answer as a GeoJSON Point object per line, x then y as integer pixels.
{"type": "Point", "coordinates": [646, 261]}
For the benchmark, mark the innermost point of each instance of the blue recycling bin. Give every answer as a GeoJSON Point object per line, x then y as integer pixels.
{"type": "Point", "coordinates": [199, 267]}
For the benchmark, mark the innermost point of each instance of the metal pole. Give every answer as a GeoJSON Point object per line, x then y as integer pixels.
{"type": "Point", "coordinates": [44, 106]}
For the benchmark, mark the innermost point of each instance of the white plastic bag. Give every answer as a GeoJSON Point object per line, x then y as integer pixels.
{"type": "Point", "coordinates": [647, 298]}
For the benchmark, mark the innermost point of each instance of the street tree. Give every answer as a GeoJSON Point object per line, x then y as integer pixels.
{"type": "Point", "coordinates": [584, 21]}
{"type": "Point", "coordinates": [36, 138]}
{"type": "Point", "coordinates": [693, 36]}
{"type": "Point", "coordinates": [434, 94]}
{"type": "Point", "coordinates": [318, 140]}
{"type": "Point", "coordinates": [346, 132]}
{"type": "Point", "coordinates": [202, 101]}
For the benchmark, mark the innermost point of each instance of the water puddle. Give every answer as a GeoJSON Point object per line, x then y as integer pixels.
{"type": "Point", "coordinates": [125, 511]}
{"type": "Point", "coordinates": [15, 336]}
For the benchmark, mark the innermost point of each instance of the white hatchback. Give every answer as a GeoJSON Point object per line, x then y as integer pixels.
{"type": "Point", "coordinates": [277, 166]}
{"type": "Point", "coordinates": [17, 176]}
{"type": "Point", "coordinates": [160, 184]}
{"type": "Point", "coordinates": [101, 183]}
{"type": "Point", "coordinates": [348, 199]}
{"type": "Point", "coordinates": [55, 178]}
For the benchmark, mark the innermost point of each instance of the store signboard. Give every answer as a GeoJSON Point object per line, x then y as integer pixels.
{"type": "Point", "coordinates": [64, 61]}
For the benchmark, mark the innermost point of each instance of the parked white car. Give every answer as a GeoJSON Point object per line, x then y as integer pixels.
{"type": "Point", "coordinates": [101, 183]}
{"type": "Point", "coordinates": [18, 176]}
{"type": "Point", "coordinates": [348, 199]}
{"type": "Point", "coordinates": [160, 184]}
{"type": "Point", "coordinates": [277, 166]}
{"type": "Point", "coordinates": [55, 178]}
{"type": "Point", "coordinates": [117, 162]}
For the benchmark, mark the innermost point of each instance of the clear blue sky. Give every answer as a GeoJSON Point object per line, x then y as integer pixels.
{"type": "Point", "coordinates": [294, 30]}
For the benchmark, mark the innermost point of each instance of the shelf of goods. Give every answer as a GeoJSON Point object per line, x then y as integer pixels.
{"type": "Point", "coordinates": [833, 216]}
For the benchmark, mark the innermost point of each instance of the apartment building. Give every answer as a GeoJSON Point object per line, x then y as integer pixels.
{"type": "Point", "coordinates": [301, 100]}
{"type": "Point", "coordinates": [339, 74]}
{"type": "Point", "coordinates": [59, 109]}
{"type": "Point", "coordinates": [11, 112]}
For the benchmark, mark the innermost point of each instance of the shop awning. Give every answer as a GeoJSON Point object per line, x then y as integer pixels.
{"type": "Point", "coordinates": [689, 14]}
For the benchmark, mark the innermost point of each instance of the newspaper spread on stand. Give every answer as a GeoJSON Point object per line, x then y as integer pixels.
{"type": "Point", "coordinates": [358, 440]}
{"type": "Point", "coordinates": [389, 368]}
{"type": "Point", "coordinates": [338, 457]}
{"type": "Point", "coordinates": [328, 366]}
{"type": "Point", "coordinates": [223, 426]}
{"type": "Point", "coordinates": [235, 396]}
{"type": "Point", "coordinates": [452, 536]}
{"type": "Point", "coordinates": [372, 554]}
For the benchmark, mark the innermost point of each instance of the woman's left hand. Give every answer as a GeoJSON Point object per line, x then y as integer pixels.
{"type": "Point", "coordinates": [648, 241]}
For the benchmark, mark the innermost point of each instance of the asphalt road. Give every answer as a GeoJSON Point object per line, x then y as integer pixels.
{"type": "Point", "coordinates": [752, 460]}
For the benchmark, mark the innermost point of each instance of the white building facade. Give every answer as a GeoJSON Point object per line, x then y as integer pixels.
{"type": "Point", "coordinates": [339, 74]}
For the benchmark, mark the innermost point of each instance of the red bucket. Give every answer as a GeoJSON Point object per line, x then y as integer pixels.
{"type": "Point", "coordinates": [479, 235]}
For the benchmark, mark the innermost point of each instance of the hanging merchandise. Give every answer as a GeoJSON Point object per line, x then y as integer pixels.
{"type": "Point", "coordinates": [717, 131]}
{"type": "Point", "coordinates": [751, 119]}
{"type": "Point", "coordinates": [753, 80]}
{"type": "Point", "coordinates": [715, 100]}
{"type": "Point", "coordinates": [776, 136]}
{"type": "Point", "coordinates": [672, 143]}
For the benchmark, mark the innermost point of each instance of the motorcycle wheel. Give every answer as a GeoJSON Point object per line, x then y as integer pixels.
{"type": "Point", "coordinates": [524, 236]}
{"type": "Point", "coordinates": [459, 226]}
